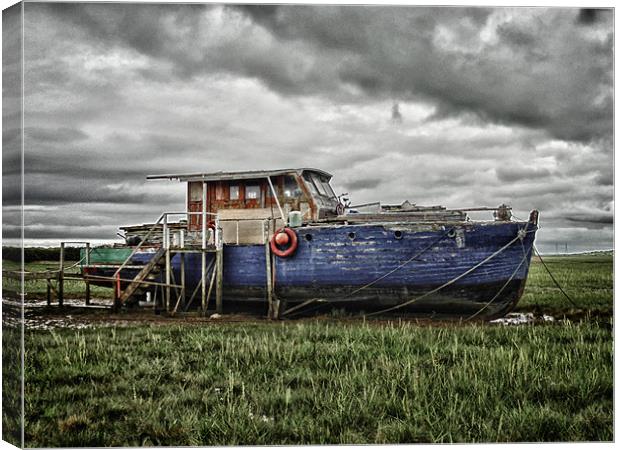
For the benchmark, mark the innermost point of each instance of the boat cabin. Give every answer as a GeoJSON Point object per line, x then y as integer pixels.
{"type": "Point", "coordinates": [241, 197]}
{"type": "Point", "coordinates": [304, 190]}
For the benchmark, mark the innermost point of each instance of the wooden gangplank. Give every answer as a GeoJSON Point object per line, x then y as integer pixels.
{"type": "Point", "coordinates": [141, 276]}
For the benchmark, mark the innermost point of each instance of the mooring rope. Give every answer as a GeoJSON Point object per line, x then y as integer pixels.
{"type": "Point", "coordinates": [400, 266]}
{"type": "Point", "coordinates": [555, 281]}
{"type": "Point", "coordinates": [503, 287]}
{"type": "Point", "coordinates": [520, 235]}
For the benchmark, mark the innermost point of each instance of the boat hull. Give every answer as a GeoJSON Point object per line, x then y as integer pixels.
{"type": "Point", "coordinates": [443, 269]}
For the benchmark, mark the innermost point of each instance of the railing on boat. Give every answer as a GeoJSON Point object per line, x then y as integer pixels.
{"type": "Point", "coordinates": [164, 220]}
{"type": "Point", "coordinates": [178, 245]}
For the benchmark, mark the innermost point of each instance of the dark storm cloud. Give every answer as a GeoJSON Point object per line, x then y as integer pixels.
{"type": "Point", "coordinates": [588, 16]}
{"type": "Point", "coordinates": [11, 122]}
{"type": "Point", "coordinates": [605, 178]}
{"type": "Point", "coordinates": [11, 54]}
{"type": "Point", "coordinates": [137, 25]}
{"type": "Point", "coordinates": [509, 174]}
{"type": "Point", "coordinates": [397, 117]}
{"type": "Point", "coordinates": [545, 72]}
{"type": "Point", "coordinates": [11, 154]}
{"type": "Point", "coordinates": [595, 219]}
{"type": "Point", "coordinates": [55, 192]}
{"type": "Point", "coordinates": [469, 80]}
{"type": "Point", "coordinates": [61, 134]}
{"type": "Point", "coordinates": [62, 232]}
{"type": "Point", "coordinates": [516, 37]}
{"type": "Point", "coordinates": [363, 183]}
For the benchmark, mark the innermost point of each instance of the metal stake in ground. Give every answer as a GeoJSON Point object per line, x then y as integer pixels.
{"type": "Point", "coordinates": [87, 262]}
{"type": "Point", "coordinates": [61, 275]}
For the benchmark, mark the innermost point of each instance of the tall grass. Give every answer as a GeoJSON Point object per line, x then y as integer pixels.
{"type": "Point", "coordinates": [316, 382]}
{"type": "Point", "coordinates": [11, 378]}
{"type": "Point", "coordinates": [587, 279]}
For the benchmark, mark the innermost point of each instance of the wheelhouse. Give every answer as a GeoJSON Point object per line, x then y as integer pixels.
{"type": "Point", "coordinates": [259, 194]}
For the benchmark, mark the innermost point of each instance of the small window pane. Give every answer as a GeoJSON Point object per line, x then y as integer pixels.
{"type": "Point", "coordinates": [291, 190]}
{"type": "Point", "coordinates": [328, 188]}
{"type": "Point", "coordinates": [219, 192]}
{"type": "Point", "coordinates": [319, 185]}
{"type": "Point", "coordinates": [195, 192]}
{"type": "Point", "coordinates": [252, 192]}
{"type": "Point", "coordinates": [310, 183]}
{"type": "Point", "coordinates": [234, 192]}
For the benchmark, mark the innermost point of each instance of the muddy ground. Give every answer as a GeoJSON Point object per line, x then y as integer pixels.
{"type": "Point", "coordinates": [38, 315]}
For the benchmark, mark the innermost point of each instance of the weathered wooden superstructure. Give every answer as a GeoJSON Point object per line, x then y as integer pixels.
{"type": "Point", "coordinates": [240, 198]}
{"type": "Point", "coordinates": [282, 240]}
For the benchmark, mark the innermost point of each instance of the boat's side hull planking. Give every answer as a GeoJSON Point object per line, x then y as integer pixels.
{"type": "Point", "coordinates": [381, 265]}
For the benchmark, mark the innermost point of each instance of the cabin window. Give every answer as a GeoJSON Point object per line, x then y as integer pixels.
{"type": "Point", "coordinates": [323, 185]}
{"type": "Point", "coordinates": [220, 194]}
{"type": "Point", "coordinates": [328, 188]}
{"type": "Point", "coordinates": [195, 192]}
{"type": "Point", "coordinates": [252, 192]}
{"type": "Point", "coordinates": [320, 186]}
{"type": "Point", "coordinates": [234, 192]}
{"type": "Point", "coordinates": [310, 184]}
{"type": "Point", "coordinates": [291, 189]}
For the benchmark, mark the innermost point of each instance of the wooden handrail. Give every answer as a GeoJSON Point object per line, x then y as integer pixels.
{"type": "Point", "coordinates": [135, 250]}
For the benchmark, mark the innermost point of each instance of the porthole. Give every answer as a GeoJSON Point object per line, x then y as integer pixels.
{"type": "Point", "coordinates": [398, 234]}
{"type": "Point", "coordinates": [452, 233]}
{"type": "Point", "coordinates": [308, 237]}
{"type": "Point", "coordinates": [352, 235]}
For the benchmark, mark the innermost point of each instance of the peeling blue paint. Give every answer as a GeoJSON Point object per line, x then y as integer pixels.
{"type": "Point", "coordinates": [331, 258]}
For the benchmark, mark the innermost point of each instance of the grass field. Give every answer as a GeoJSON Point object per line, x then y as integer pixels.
{"type": "Point", "coordinates": [587, 279]}
{"type": "Point", "coordinates": [36, 289]}
{"type": "Point", "coordinates": [318, 383]}
{"type": "Point", "coordinates": [329, 381]}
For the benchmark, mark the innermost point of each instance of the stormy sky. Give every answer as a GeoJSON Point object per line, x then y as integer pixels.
{"type": "Point", "coordinates": [453, 106]}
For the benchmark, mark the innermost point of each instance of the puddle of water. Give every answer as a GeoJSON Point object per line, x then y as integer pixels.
{"type": "Point", "coordinates": [94, 302]}
{"type": "Point", "coordinates": [522, 319]}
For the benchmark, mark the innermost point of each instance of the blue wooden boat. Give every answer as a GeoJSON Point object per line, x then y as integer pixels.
{"type": "Point", "coordinates": [287, 245]}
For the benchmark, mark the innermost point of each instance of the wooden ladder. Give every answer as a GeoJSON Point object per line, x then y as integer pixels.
{"type": "Point", "coordinates": [142, 275]}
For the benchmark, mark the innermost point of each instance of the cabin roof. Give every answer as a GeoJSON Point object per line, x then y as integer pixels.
{"type": "Point", "coordinates": [244, 175]}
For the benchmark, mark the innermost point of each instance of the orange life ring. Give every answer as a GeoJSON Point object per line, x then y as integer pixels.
{"type": "Point", "coordinates": [289, 242]}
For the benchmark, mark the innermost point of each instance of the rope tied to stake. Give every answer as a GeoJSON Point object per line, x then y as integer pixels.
{"type": "Point", "coordinates": [572, 302]}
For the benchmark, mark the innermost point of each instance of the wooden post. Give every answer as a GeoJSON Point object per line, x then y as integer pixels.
{"type": "Point", "coordinates": [183, 279]}
{"type": "Point", "coordinates": [155, 299]}
{"type": "Point", "coordinates": [219, 266]}
{"type": "Point", "coordinates": [61, 275]}
{"type": "Point", "coordinates": [203, 267]}
{"type": "Point", "coordinates": [166, 243]}
{"type": "Point", "coordinates": [275, 196]}
{"type": "Point", "coordinates": [168, 281]}
{"type": "Point", "coordinates": [49, 291]}
{"type": "Point", "coordinates": [182, 274]}
{"type": "Point", "coordinates": [270, 312]}
{"type": "Point", "coordinates": [277, 305]}
{"type": "Point", "coordinates": [116, 302]}
{"type": "Point", "coordinates": [86, 281]}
